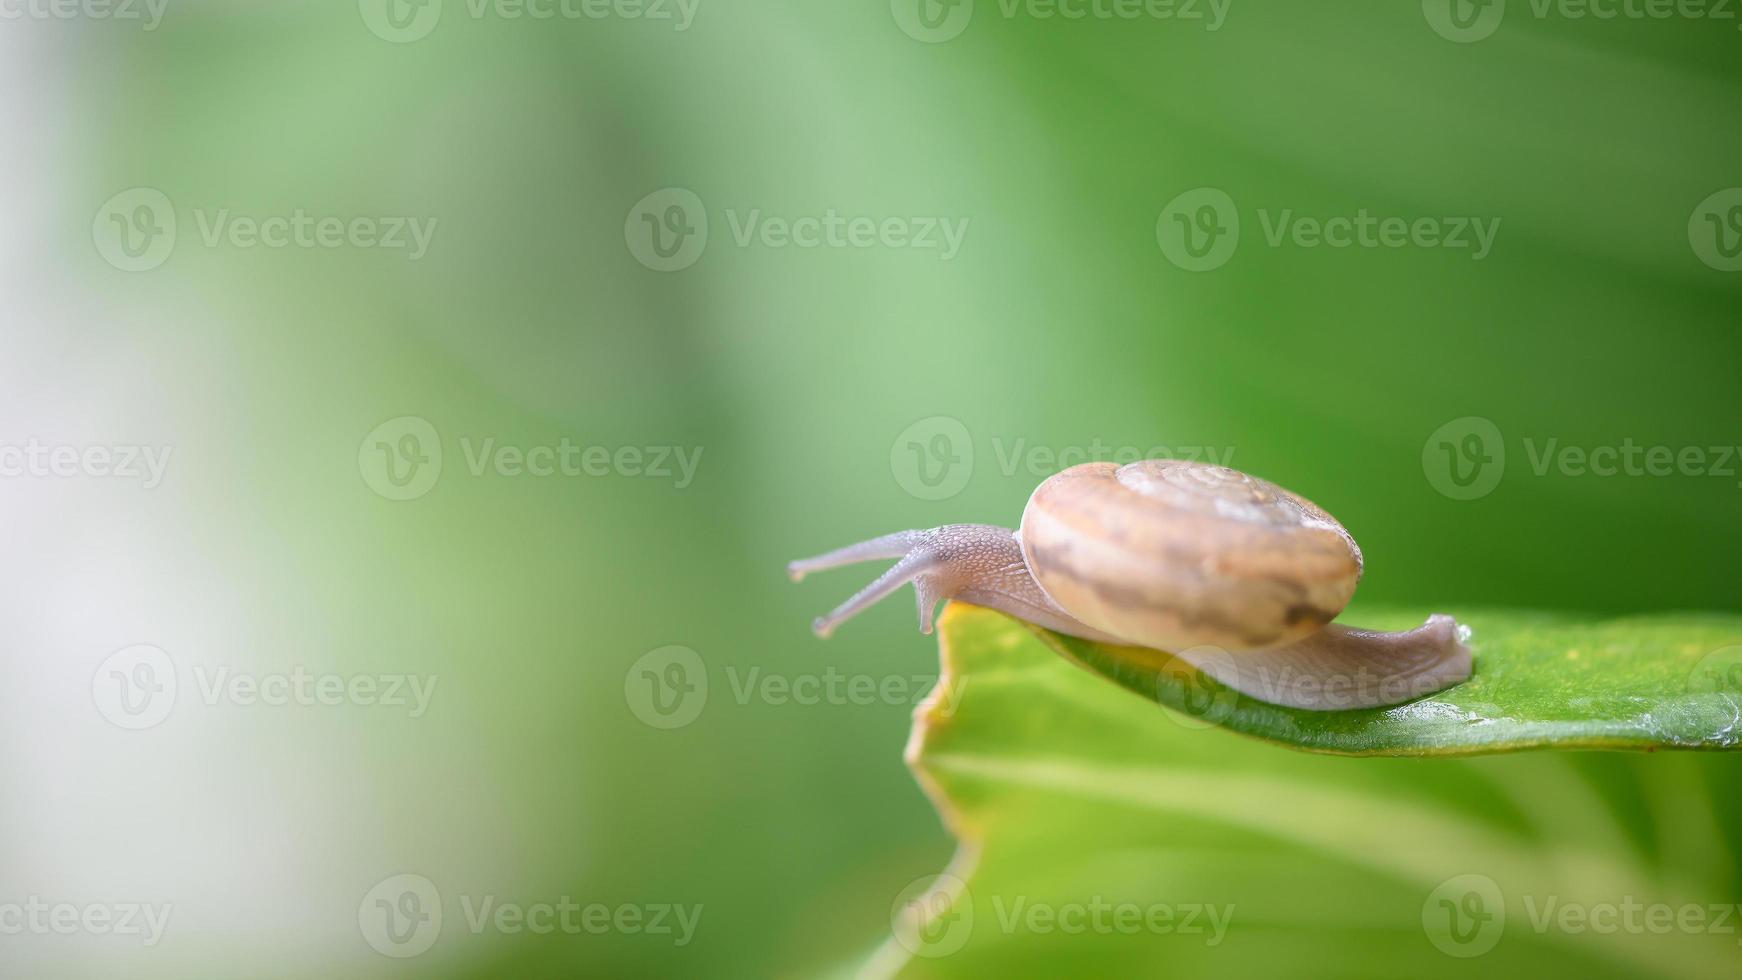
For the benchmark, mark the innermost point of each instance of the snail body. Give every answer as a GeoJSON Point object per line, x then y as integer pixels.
{"type": "Point", "coordinates": [1233, 574]}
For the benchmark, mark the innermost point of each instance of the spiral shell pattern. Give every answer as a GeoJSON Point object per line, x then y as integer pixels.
{"type": "Point", "coordinates": [1172, 554]}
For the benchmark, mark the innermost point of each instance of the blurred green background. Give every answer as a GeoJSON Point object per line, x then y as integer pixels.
{"type": "Point", "coordinates": [805, 377]}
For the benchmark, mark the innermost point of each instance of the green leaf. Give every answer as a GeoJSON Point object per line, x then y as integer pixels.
{"type": "Point", "coordinates": [1540, 681]}
{"type": "Point", "coordinates": [1072, 799]}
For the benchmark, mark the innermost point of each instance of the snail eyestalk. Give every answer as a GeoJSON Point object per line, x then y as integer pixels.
{"type": "Point", "coordinates": [909, 569]}
{"type": "Point", "coordinates": [977, 563]}
{"type": "Point", "coordinates": [888, 546]}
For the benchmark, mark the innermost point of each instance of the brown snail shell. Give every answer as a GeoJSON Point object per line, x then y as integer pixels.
{"type": "Point", "coordinates": [1173, 554]}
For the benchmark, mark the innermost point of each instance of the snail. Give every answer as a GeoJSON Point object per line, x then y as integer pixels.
{"type": "Point", "coordinates": [1232, 574]}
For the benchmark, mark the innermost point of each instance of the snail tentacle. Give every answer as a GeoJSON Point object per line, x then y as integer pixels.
{"type": "Point", "coordinates": [925, 590]}
{"type": "Point", "coordinates": [909, 568]}
{"type": "Point", "coordinates": [977, 563]}
{"type": "Point", "coordinates": [888, 546]}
